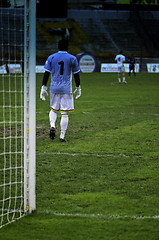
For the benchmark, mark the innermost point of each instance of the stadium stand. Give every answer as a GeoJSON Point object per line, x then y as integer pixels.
{"type": "Point", "coordinates": [100, 32]}
{"type": "Point", "coordinates": [124, 34]}
{"type": "Point", "coordinates": [104, 33]}
{"type": "Point", "coordinates": [102, 41]}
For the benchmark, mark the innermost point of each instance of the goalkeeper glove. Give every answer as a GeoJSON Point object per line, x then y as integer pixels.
{"type": "Point", "coordinates": [43, 92]}
{"type": "Point", "coordinates": [77, 92]}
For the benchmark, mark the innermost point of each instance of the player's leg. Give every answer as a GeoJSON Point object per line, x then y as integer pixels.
{"type": "Point", "coordinates": [123, 70]}
{"type": "Point", "coordinates": [64, 125]}
{"type": "Point", "coordinates": [134, 71]}
{"type": "Point", "coordinates": [52, 117]}
{"type": "Point", "coordinates": [119, 80]}
{"type": "Point", "coordinates": [67, 105]}
{"type": "Point", "coordinates": [124, 81]}
{"type": "Point", "coordinates": [54, 105]}
{"type": "Point", "coordinates": [129, 70]}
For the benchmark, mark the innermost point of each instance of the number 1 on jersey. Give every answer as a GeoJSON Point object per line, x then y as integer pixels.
{"type": "Point", "coordinates": [61, 67]}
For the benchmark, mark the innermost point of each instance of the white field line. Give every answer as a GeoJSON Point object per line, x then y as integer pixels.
{"type": "Point", "coordinates": [97, 216]}
{"type": "Point", "coordinates": [82, 154]}
{"type": "Point", "coordinates": [101, 216]}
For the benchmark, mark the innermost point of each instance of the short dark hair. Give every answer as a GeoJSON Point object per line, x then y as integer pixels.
{"type": "Point", "coordinates": [63, 45]}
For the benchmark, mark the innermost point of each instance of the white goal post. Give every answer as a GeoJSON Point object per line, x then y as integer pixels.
{"type": "Point", "coordinates": [29, 105]}
{"type": "Point", "coordinates": [17, 109]}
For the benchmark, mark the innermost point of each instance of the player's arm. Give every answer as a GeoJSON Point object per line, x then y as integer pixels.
{"type": "Point", "coordinates": [77, 79]}
{"type": "Point", "coordinates": [78, 88]}
{"type": "Point", "coordinates": [45, 78]}
{"type": "Point", "coordinates": [44, 92]}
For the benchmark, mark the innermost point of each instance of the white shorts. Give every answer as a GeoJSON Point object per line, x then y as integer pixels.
{"type": "Point", "coordinates": [62, 102]}
{"type": "Point", "coordinates": [120, 69]}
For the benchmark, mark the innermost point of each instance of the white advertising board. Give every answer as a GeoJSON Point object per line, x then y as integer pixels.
{"type": "Point", "coordinates": [153, 67]}
{"type": "Point", "coordinates": [40, 69]}
{"type": "Point", "coordinates": [16, 68]}
{"type": "Point", "coordinates": [3, 69]}
{"type": "Point", "coordinates": [12, 68]}
{"type": "Point", "coordinates": [112, 67]}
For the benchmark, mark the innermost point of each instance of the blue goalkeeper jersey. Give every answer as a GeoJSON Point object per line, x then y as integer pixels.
{"type": "Point", "coordinates": [61, 65]}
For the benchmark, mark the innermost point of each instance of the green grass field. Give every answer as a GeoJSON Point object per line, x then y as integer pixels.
{"type": "Point", "coordinates": [103, 183]}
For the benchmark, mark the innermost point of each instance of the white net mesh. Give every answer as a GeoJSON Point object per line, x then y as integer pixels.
{"type": "Point", "coordinates": [11, 113]}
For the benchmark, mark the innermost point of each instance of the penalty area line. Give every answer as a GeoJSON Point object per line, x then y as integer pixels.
{"type": "Point", "coordinates": [101, 216]}
{"type": "Point", "coordinates": [82, 154]}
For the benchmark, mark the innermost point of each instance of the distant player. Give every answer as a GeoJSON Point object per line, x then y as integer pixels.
{"type": "Point", "coordinates": [61, 65]}
{"type": "Point", "coordinates": [120, 58]}
{"type": "Point", "coordinates": [131, 61]}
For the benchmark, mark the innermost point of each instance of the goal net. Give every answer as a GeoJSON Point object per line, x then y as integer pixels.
{"type": "Point", "coordinates": [15, 85]}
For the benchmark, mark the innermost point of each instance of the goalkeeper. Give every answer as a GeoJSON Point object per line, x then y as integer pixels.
{"type": "Point", "coordinates": [61, 65]}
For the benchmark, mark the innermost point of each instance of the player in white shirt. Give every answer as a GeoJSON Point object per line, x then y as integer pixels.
{"type": "Point", "coordinates": [61, 65]}
{"type": "Point", "coordinates": [120, 58]}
